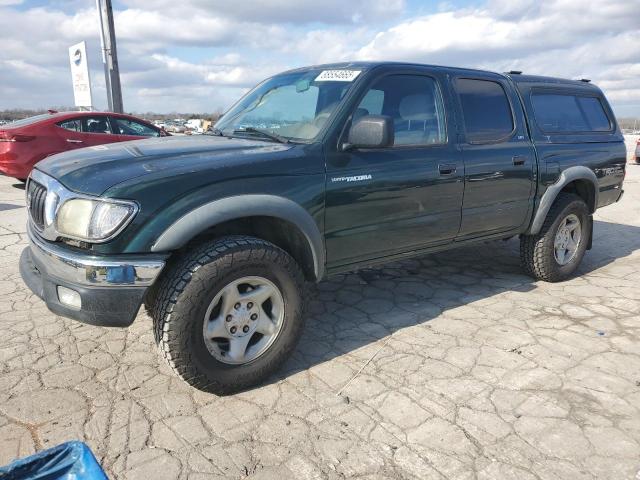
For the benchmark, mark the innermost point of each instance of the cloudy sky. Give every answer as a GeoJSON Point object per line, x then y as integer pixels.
{"type": "Point", "coordinates": [201, 55]}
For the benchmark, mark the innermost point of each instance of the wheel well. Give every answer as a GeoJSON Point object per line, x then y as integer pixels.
{"type": "Point", "coordinates": [585, 190]}
{"type": "Point", "coordinates": [275, 230]}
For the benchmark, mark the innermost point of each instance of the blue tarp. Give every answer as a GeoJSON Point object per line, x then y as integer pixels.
{"type": "Point", "coordinates": [68, 461]}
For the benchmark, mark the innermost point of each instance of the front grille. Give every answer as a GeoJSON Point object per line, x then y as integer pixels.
{"type": "Point", "coordinates": [36, 195]}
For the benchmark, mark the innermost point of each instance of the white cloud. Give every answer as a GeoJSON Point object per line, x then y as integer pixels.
{"type": "Point", "coordinates": [567, 38]}
{"type": "Point", "coordinates": [284, 11]}
{"type": "Point", "coordinates": [212, 72]}
{"type": "Point", "coordinates": [200, 55]}
{"type": "Point", "coordinates": [326, 46]}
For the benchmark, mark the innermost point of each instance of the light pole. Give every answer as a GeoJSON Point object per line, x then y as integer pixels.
{"type": "Point", "coordinates": [110, 56]}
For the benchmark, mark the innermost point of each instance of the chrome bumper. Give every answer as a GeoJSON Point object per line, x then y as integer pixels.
{"type": "Point", "coordinates": [105, 291]}
{"type": "Point", "coordinates": [94, 271]}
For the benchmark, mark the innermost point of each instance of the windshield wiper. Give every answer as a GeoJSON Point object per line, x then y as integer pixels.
{"type": "Point", "coordinates": [273, 136]}
{"type": "Point", "coordinates": [214, 131]}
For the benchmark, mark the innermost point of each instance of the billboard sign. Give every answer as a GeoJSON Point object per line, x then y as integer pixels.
{"type": "Point", "coordinates": [80, 75]}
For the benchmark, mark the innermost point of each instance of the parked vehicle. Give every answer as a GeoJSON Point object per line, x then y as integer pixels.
{"type": "Point", "coordinates": [315, 172]}
{"type": "Point", "coordinates": [637, 154]}
{"type": "Point", "coordinates": [177, 128]}
{"type": "Point", "coordinates": [26, 142]}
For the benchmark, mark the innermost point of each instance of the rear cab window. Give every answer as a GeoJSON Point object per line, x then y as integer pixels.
{"type": "Point", "coordinates": [557, 112]}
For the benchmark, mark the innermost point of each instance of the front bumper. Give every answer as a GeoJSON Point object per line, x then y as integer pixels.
{"type": "Point", "coordinates": [111, 289]}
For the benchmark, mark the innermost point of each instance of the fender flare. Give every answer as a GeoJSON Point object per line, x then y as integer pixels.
{"type": "Point", "coordinates": [231, 208]}
{"type": "Point", "coordinates": [567, 176]}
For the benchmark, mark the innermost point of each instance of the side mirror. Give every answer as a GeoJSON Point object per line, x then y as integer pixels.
{"type": "Point", "coordinates": [371, 131]}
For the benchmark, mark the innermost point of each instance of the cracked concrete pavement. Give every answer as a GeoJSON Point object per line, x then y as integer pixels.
{"type": "Point", "coordinates": [453, 365]}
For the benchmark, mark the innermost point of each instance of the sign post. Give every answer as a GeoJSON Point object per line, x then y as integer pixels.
{"type": "Point", "coordinates": [110, 55]}
{"type": "Point", "coordinates": [80, 76]}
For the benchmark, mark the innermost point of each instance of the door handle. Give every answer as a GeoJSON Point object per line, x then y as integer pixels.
{"type": "Point", "coordinates": [69, 140]}
{"type": "Point", "coordinates": [519, 160]}
{"type": "Point", "coordinates": [447, 169]}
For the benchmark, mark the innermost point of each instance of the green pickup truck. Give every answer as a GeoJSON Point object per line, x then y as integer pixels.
{"type": "Point", "coordinates": [316, 171]}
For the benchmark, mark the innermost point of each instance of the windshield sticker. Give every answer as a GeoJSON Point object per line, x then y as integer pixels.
{"type": "Point", "coordinates": [337, 76]}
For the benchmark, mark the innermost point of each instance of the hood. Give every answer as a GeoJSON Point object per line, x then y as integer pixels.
{"type": "Point", "coordinates": [93, 170]}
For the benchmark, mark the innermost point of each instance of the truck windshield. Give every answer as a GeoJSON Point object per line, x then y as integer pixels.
{"type": "Point", "coordinates": [292, 106]}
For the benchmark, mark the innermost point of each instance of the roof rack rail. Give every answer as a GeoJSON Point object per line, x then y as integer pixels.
{"type": "Point", "coordinates": [585, 80]}
{"type": "Point", "coordinates": [514, 72]}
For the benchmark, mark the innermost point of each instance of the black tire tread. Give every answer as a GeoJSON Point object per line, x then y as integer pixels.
{"type": "Point", "coordinates": [535, 251]}
{"type": "Point", "coordinates": [223, 252]}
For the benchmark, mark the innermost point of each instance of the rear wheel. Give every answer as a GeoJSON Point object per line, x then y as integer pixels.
{"type": "Point", "coordinates": [556, 252]}
{"type": "Point", "coordinates": [229, 313]}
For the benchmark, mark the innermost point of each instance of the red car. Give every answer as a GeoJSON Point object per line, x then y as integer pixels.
{"type": "Point", "coordinates": [25, 142]}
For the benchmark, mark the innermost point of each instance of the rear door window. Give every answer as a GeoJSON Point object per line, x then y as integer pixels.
{"type": "Point", "coordinates": [486, 110]}
{"type": "Point", "coordinates": [569, 113]}
{"type": "Point", "coordinates": [74, 125]}
{"type": "Point", "coordinates": [96, 125]}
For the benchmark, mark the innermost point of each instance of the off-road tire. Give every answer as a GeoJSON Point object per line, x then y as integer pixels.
{"type": "Point", "coordinates": [537, 251]}
{"type": "Point", "coordinates": [187, 287]}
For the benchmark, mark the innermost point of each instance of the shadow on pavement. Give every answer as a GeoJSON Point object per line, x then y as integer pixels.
{"type": "Point", "coordinates": [9, 206]}
{"type": "Point", "coordinates": [353, 310]}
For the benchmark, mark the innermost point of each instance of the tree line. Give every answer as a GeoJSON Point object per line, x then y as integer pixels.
{"type": "Point", "coordinates": [20, 113]}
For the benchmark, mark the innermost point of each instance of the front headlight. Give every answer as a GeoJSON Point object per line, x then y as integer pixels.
{"type": "Point", "coordinates": [93, 220]}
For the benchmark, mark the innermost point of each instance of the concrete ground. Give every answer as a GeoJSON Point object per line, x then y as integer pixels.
{"type": "Point", "coordinates": [454, 365]}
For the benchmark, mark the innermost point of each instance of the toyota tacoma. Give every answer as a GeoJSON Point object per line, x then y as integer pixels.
{"type": "Point", "coordinates": [314, 172]}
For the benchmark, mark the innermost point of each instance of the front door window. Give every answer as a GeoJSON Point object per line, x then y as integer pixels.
{"type": "Point", "coordinates": [415, 105]}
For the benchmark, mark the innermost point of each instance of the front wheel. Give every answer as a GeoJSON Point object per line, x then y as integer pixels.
{"type": "Point", "coordinates": [229, 313]}
{"type": "Point", "coordinates": [556, 252]}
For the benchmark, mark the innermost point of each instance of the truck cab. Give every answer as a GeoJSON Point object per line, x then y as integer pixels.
{"type": "Point", "coordinates": [316, 171]}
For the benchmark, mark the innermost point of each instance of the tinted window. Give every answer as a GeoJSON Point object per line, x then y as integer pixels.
{"type": "Point", "coordinates": [569, 113]}
{"type": "Point", "coordinates": [595, 114]}
{"type": "Point", "coordinates": [414, 103]}
{"type": "Point", "coordinates": [486, 110]}
{"type": "Point", "coordinates": [96, 125]}
{"type": "Point", "coordinates": [124, 126]}
{"type": "Point", "coordinates": [74, 125]}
